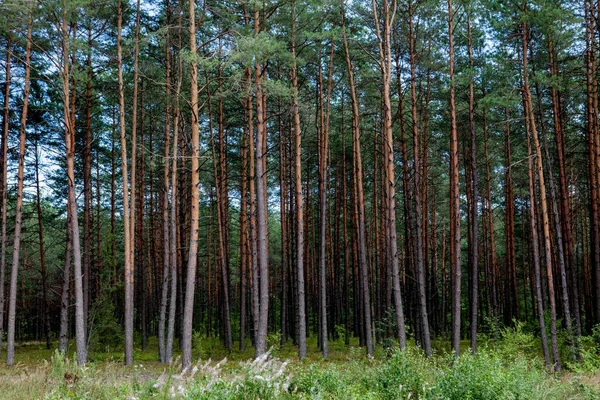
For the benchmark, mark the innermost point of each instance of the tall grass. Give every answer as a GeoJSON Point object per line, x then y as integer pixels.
{"type": "Point", "coordinates": [508, 368]}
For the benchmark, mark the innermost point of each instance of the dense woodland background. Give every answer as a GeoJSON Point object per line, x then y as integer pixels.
{"type": "Point", "coordinates": [259, 170]}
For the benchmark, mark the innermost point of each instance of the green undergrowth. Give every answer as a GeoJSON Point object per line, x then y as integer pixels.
{"type": "Point", "coordinates": [507, 368]}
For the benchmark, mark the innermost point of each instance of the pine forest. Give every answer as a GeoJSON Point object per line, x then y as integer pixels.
{"type": "Point", "coordinates": [379, 199]}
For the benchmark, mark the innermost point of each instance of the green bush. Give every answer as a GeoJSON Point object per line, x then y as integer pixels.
{"type": "Point", "coordinates": [405, 374]}
{"type": "Point", "coordinates": [319, 382]}
{"type": "Point", "coordinates": [106, 332]}
{"type": "Point", "coordinates": [485, 376]}
{"type": "Point", "coordinates": [516, 343]}
{"type": "Point", "coordinates": [274, 340]}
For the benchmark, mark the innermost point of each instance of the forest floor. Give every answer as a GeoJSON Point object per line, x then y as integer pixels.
{"type": "Point", "coordinates": [507, 368]}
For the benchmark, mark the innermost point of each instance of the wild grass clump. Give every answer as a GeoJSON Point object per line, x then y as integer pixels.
{"type": "Point", "coordinates": [265, 377]}
{"type": "Point", "coordinates": [488, 376]}
{"type": "Point", "coordinates": [326, 381]}
{"type": "Point", "coordinates": [406, 374]}
{"type": "Point", "coordinates": [508, 368]}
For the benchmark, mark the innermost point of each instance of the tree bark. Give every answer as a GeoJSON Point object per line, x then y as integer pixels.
{"type": "Point", "coordinates": [87, 184]}
{"type": "Point", "coordinates": [69, 117]}
{"type": "Point", "coordinates": [359, 207]}
{"type": "Point", "coordinates": [188, 312]}
{"type": "Point", "coordinates": [128, 262]}
{"type": "Point", "coordinates": [12, 303]}
{"type": "Point", "coordinates": [63, 336]}
{"type": "Point", "coordinates": [536, 254]}
{"type": "Point", "coordinates": [543, 198]}
{"type": "Point", "coordinates": [454, 197]}
{"type": "Point", "coordinates": [44, 276]}
{"type": "Point", "coordinates": [261, 206]}
{"type": "Point", "coordinates": [299, 206]}
{"type": "Point", "coordinates": [3, 183]}
{"type": "Point", "coordinates": [420, 266]}
{"type": "Point", "coordinates": [474, 257]}
{"type": "Point", "coordinates": [165, 200]}
{"type": "Point", "coordinates": [323, 162]}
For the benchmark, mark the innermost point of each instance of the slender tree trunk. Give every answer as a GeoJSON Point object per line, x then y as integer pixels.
{"type": "Point", "coordinates": [112, 199]}
{"type": "Point", "coordinates": [474, 257]}
{"type": "Point", "coordinates": [253, 233]}
{"type": "Point", "coordinates": [420, 265]}
{"type": "Point", "coordinates": [560, 257]}
{"type": "Point", "coordinates": [87, 185]}
{"type": "Point", "coordinates": [359, 207]}
{"type": "Point", "coordinates": [12, 303]}
{"type": "Point", "coordinates": [492, 283]}
{"type": "Point", "coordinates": [139, 242]}
{"type": "Point", "coordinates": [565, 215]}
{"type": "Point", "coordinates": [222, 259]}
{"type": "Point", "coordinates": [165, 200]}
{"type": "Point", "coordinates": [261, 206]}
{"type": "Point", "coordinates": [63, 336]}
{"type": "Point", "coordinates": [536, 254]}
{"type": "Point", "coordinates": [44, 276]}
{"type": "Point", "coordinates": [131, 225]}
{"type": "Point", "coordinates": [285, 237]}
{"type": "Point", "coordinates": [174, 233]}
{"type": "Point", "coordinates": [454, 197]}
{"type": "Point", "coordinates": [69, 117]}
{"type": "Point", "coordinates": [510, 298]}
{"type": "Point", "coordinates": [346, 238]}
{"type": "Point", "coordinates": [188, 312]}
{"type": "Point", "coordinates": [3, 183]}
{"type": "Point", "coordinates": [543, 199]}
{"type": "Point", "coordinates": [323, 155]}
{"type": "Point", "coordinates": [128, 264]}
{"type": "Point", "coordinates": [244, 253]}
{"type": "Point", "coordinates": [299, 206]}
{"type": "Point", "coordinates": [593, 153]}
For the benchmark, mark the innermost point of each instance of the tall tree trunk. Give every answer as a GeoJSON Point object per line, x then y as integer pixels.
{"type": "Point", "coordinates": [253, 228]}
{"type": "Point", "coordinates": [560, 257]}
{"type": "Point", "coordinates": [419, 234]}
{"type": "Point", "coordinates": [299, 206]}
{"type": "Point", "coordinates": [536, 254]}
{"type": "Point", "coordinates": [244, 246]}
{"type": "Point", "coordinates": [261, 206]}
{"type": "Point", "coordinates": [283, 207]}
{"type": "Point", "coordinates": [221, 224]}
{"type": "Point", "coordinates": [87, 184]}
{"type": "Point", "coordinates": [593, 152]}
{"type": "Point", "coordinates": [165, 199]}
{"type": "Point", "coordinates": [128, 262]}
{"type": "Point", "coordinates": [454, 197]}
{"type": "Point", "coordinates": [63, 336]}
{"type": "Point", "coordinates": [38, 204]}
{"type": "Point", "coordinates": [565, 215]}
{"type": "Point", "coordinates": [492, 283]}
{"type": "Point", "coordinates": [188, 312]}
{"type": "Point", "coordinates": [510, 298]}
{"type": "Point", "coordinates": [3, 183]}
{"type": "Point", "coordinates": [69, 118]}
{"type": "Point", "coordinates": [223, 202]}
{"type": "Point", "coordinates": [130, 252]}
{"type": "Point", "coordinates": [174, 237]}
{"type": "Point", "coordinates": [474, 200]}
{"type": "Point", "coordinates": [346, 238]}
{"type": "Point", "coordinates": [359, 207]}
{"type": "Point", "coordinates": [12, 303]}
{"type": "Point", "coordinates": [139, 243]}
{"type": "Point", "coordinates": [323, 155]}
{"type": "Point", "coordinates": [543, 199]}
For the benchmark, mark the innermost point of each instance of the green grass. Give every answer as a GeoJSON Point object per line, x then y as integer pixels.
{"type": "Point", "coordinates": [510, 368]}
